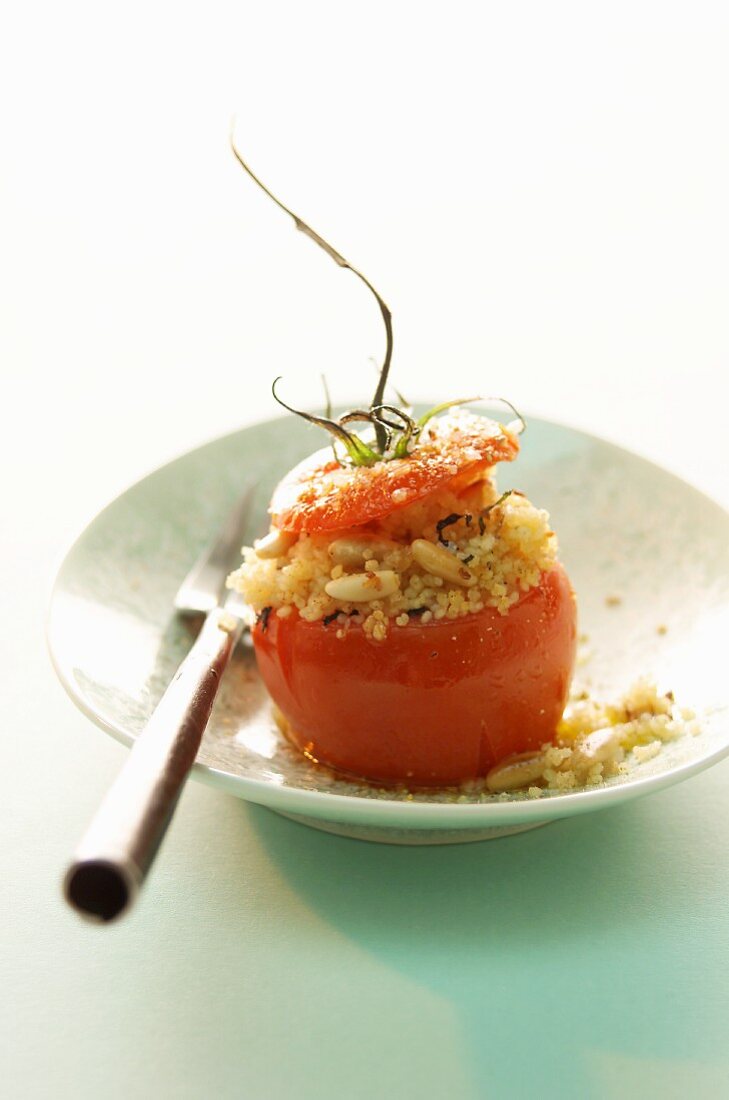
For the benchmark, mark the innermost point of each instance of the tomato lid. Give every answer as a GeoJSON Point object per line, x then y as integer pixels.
{"type": "Point", "coordinates": [321, 495]}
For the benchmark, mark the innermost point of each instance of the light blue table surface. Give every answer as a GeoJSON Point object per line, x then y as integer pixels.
{"type": "Point", "coordinates": [584, 959]}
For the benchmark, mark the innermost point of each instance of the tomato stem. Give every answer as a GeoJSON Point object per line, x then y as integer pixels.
{"type": "Point", "coordinates": [380, 431]}
{"type": "Point", "coordinates": [359, 453]}
{"type": "Point", "coordinates": [392, 440]}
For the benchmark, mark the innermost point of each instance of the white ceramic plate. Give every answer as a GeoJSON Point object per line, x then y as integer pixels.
{"type": "Point", "coordinates": [627, 529]}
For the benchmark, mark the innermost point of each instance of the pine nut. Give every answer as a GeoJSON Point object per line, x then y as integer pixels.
{"type": "Point", "coordinates": [441, 563]}
{"type": "Point", "coordinates": [275, 543]}
{"type": "Point", "coordinates": [352, 550]}
{"type": "Point", "coordinates": [516, 771]}
{"type": "Point", "coordinates": [363, 587]}
{"type": "Point", "coordinates": [596, 748]}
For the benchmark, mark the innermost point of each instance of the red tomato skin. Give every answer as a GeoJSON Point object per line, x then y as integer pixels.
{"type": "Point", "coordinates": [433, 704]}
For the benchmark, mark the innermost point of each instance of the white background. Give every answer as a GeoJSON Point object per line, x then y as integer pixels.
{"type": "Point", "coordinates": [538, 190]}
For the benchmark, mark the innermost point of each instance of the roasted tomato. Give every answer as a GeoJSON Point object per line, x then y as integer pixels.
{"type": "Point", "coordinates": [434, 704]}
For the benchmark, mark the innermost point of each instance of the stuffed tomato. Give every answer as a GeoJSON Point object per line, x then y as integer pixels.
{"type": "Point", "coordinates": [412, 625]}
{"type": "Point", "coordinates": [433, 703]}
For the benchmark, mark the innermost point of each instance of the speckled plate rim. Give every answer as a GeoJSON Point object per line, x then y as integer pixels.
{"type": "Point", "coordinates": [380, 811]}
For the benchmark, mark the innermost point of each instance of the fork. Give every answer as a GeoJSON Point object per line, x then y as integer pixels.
{"type": "Point", "coordinates": [119, 846]}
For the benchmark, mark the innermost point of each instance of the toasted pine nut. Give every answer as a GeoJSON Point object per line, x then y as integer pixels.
{"type": "Point", "coordinates": [596, 747]}
{"type": "Point", "coordinates": [441, 563]}
{"type": "Point", "coordinates": [516, 771]}
{"type": "Point", "coordinates": [363, 587]}
{"type": "Point", "coordinates": [353, 550]}
{"type": "Point", "coordinates": [275, 543]}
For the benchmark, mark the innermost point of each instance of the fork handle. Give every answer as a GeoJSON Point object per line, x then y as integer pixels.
{"type": "Point", "coordinates": [120, 844]}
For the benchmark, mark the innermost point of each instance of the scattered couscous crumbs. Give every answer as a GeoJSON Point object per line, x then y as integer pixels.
{"type": "Point", "coordinates": [662, 629]}
{"type": "Point", "coordinates": [643, 753]}
{"type": "Point", "coordinates": [596, 741]}
{"type": "Point", "coordinates": [613, 601]}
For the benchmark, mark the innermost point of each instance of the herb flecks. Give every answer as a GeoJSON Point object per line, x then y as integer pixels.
{"type": "Point", "coordinates": [262, 618]}
{"type": "Point", "coordinates": [486, 512]}
{"type": "Point", "coordinates": [449, 521]}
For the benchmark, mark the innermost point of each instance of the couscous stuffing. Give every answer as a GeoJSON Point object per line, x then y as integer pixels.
{"type": "Point", "coordinates": [441, 557]}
